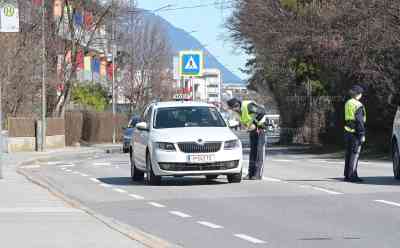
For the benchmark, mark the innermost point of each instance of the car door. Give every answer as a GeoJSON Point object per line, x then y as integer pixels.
{"type": "Point", "coordinates": [140, 141]}
{"type": "Point", "coordinates": [396, 126]}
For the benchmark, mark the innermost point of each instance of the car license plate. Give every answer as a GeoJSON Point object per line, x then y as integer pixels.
{"type": "Point", "coordinates": [201, 158]}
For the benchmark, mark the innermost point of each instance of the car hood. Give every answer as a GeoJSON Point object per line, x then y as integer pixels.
{"type": "Point", "coordinates": [191, 134]}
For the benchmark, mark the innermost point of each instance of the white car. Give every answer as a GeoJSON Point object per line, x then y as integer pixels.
{"type": "Point", "coordinates": [396, 144]}
{"type": "Point", "coordinates": [184, 139]}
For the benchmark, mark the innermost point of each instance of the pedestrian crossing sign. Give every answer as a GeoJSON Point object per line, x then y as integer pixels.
{"type": "Point", "coordinates": [191, 63]}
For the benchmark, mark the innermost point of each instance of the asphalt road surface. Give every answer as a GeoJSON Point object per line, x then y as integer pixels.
{"type": "Point", "coordinates": [302, 202]}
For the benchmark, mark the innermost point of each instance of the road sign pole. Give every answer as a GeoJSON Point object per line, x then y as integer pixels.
{"type": "Point", "coordinates": [44, 68]}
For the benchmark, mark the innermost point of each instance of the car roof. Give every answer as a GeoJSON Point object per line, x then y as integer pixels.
{"type": "Point", "coordinates": [181, 104]}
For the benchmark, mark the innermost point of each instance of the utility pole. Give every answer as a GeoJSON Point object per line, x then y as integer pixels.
{"type": "Point", "coordinates": [113, 47]}
{"type": "Point", "coordinates": [44, 68]}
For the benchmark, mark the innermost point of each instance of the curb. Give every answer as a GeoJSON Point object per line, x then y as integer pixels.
{"type": "Point", "coordinates": [132, 233]}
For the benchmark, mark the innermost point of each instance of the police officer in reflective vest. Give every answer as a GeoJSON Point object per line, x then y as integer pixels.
{"type": "Point", "coordinates": [252, 116]}
{"type": "Point", "coordinates": [355, 119]}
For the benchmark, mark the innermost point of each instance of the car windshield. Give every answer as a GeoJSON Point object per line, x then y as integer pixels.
{"type": "Point", "coordinates": [176, 117]}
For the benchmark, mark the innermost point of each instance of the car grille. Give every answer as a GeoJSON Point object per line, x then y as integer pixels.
{"type": "Point", "coordinates": [192, 147]}
{"type": "Point", "coordinates": [199, 167]}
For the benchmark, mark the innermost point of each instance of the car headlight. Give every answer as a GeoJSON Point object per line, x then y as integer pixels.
{"type": "Point", "coordinates": [231, 144]}
{"type": "Point", "coordinates": [165, 146]}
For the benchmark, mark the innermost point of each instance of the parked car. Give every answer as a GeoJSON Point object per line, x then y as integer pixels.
{"type": "Point", "coordinates": [182, 139]}
{"type": "Point", "coordinates": [127, 133]}
{"type": "Point", "coordinates": [396, 144]}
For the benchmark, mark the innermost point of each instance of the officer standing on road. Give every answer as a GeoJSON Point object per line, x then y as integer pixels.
{"type": "Point", "coordinates": [355, 118]}
{"type": "Point", "coordinates": [252, 116]}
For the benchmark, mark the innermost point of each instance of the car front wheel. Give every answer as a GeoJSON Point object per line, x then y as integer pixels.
{"type": "Point", "coordinates": [235, 178]}
{"type": "Point", "coordinates": [150, 177]}
{"type": "Point", "coordinates": [136, 175]}
{"type": "Point", "coordinates": [396, 161]}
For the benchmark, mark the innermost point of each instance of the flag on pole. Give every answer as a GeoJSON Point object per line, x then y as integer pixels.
{"type": "Point", "coordinates": [103, 67]}
{"type": "Point", "coordinates": [96, 65]}
{"type": "Point", "coordinates": [37, 3]}
{"type": "Point", "coordinates": [57, 9]}
{"type": "Point", "coordinates": [9, 18]}
{"type": "Point", "coordinates": [88, 64]}
{"type": "Point", "coordinates": [79, 60]}
{"type": "Point", "coordinates": [78, 18]}
{"type": "Point", "coordinates": [88, 19]}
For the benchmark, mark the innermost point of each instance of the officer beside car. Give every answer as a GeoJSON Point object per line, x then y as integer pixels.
{"type": "Point", "coordinates": [355, 118]}
{"type": "Point", "coordinates": [252, 116]}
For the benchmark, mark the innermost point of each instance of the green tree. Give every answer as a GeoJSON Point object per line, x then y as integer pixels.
{"type": "Point", "coordinates": [93, 95]}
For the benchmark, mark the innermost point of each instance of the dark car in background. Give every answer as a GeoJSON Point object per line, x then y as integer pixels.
{"type": "Point", "coordinates": [127, 133]}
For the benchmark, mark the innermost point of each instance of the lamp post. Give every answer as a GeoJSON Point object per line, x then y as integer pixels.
{"type": "Point", "coordinates": [44, 68]}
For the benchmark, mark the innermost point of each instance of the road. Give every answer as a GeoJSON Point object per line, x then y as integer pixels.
{"type": "Point", "coordinates": [302, 202]}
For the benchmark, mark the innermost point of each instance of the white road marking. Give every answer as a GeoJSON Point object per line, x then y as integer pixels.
{"type": "Point", "coordinates": [249, 238]}
{"type": "Point", "coordinates": [120, 190]}
{"type": "Point", "coordinates": [76, 172]}
{"type": "Point", "coordinates": [105, 185]}
{"type": "Point", "coordinates": [321, 189]}
{"type": "Point", "coordinates": [67, 165]}
{"type": "Point", "coordinates": [209, 224]}
{"type": "Point", "coordinates": [102, 164]}
{"type": "Point", "coordinates": [54, 162]}
{"type": "Point", "coordinates": [271, 179]}
{"type": "Point", "coordinates": [157, 205]}
{"type": "Point", "coordinates": [40, 210]}
{"type": "Point", "coordinates": [389, 203]}
{"type": "Point", "coordinates": [68, 170]}
{"type": "Point", "coordinates": [138, 197]}
{"type": "Point", "coordinates": [84, 175]}
{"type": "Point", "coordinates": [180, 214]}
{"type": "Point", "coordinates": [94, 180]}
{"type": "Point", "coordinates": [281, 160]}
{"type": "Point", "coordinates": [30, 166]}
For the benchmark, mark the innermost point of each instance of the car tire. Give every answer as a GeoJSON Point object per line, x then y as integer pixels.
{"type": "Point", "coordinates": [211, 177]}
{"type": "Point", "coordinates": [150, 177]}
{"type": "Point", "coordinates": [125, 149]}
{"type": "Point", "coordinates": [396, 161]}
{"type": "Point", "coordinates": [136, 175]}
{"type": "Point", "coordinates": [235, 178]}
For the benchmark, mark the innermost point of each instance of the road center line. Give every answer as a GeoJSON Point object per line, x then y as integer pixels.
{"type": "Point", "coordinates": [120, 190]}
{"type": "Point", "coordinates": [389, 203]}
{"type": "Point", "coordinates": [322, 189]}
{"type": "Point", "coordinates": [157, 205]}
{"type": "Point", "coordinates": [180, 214]}
{"type": "Point", "coordinates": [249, 238]}
{"type": "Point", "coordinates": [209, 224]}
{"type": "Point", "coordinates": [76, 172]}
{"type": "Point", "coordinates": [84, 175]}
{"type": "Point", "coordinates": [94, 180]}
{"type": "Point", "coordinates": [138, 197]}
{"type": "Point", "coordinates": [101, 164]}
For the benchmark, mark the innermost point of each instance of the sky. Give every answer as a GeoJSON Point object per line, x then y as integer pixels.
{"type": "Point", "coordinates": [207, 22]}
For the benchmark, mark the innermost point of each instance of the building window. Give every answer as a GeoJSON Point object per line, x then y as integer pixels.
{"type": "Point", "coordinates": [212, 95]}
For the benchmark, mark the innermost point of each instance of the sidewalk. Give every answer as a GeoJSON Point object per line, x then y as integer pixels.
{"type": "Point", "coordinates": [31, 216]}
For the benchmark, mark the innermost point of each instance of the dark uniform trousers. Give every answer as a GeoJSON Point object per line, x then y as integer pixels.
{"type": "Point", "coordinates": [257, 153]}
{"type": "Point", "coordinates": [353, 149]}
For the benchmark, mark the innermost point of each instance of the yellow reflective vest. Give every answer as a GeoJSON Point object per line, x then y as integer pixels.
{"type": "Point", "coordinates": [350, 110]}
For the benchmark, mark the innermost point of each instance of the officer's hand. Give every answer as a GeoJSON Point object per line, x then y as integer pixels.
{"type": "Point", "coordinates": [252, 127]}
{"type": "Point", "coordinates": [363, 139]}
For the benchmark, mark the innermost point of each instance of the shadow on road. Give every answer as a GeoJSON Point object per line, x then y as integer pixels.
{"type": "Point", "coordinates": [166, 181]}
{"type": "Point", "coordinates": [376, 180]}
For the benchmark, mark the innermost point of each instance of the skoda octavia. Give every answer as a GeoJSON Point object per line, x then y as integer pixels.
{"type": "Point", "coordinates": [184, 139]}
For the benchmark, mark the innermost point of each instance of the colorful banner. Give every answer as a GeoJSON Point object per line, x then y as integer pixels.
{"type": "Point", "coordinates": [87, 64]}
{"type": "Point", "coordinates": [37, 3]}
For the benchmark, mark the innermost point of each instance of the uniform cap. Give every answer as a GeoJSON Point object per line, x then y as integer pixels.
{"type": "Point", "coordinates": [357, 89]}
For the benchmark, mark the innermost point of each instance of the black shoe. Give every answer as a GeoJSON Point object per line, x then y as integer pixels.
{"type": "Point", "coordinates": [249, 177]}
{"type": "Point", "coordinates": [356, 180]}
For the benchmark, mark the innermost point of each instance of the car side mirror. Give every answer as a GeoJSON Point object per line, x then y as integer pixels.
{"type": "Point", "coordinates": [142, 126]}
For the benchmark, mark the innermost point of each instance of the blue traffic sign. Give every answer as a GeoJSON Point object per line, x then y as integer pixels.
{"type": "Point", "coordinates": [191, 63]}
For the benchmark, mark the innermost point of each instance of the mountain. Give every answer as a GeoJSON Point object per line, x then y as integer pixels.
{"type": "Point", "coordinates": [182, 40]}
